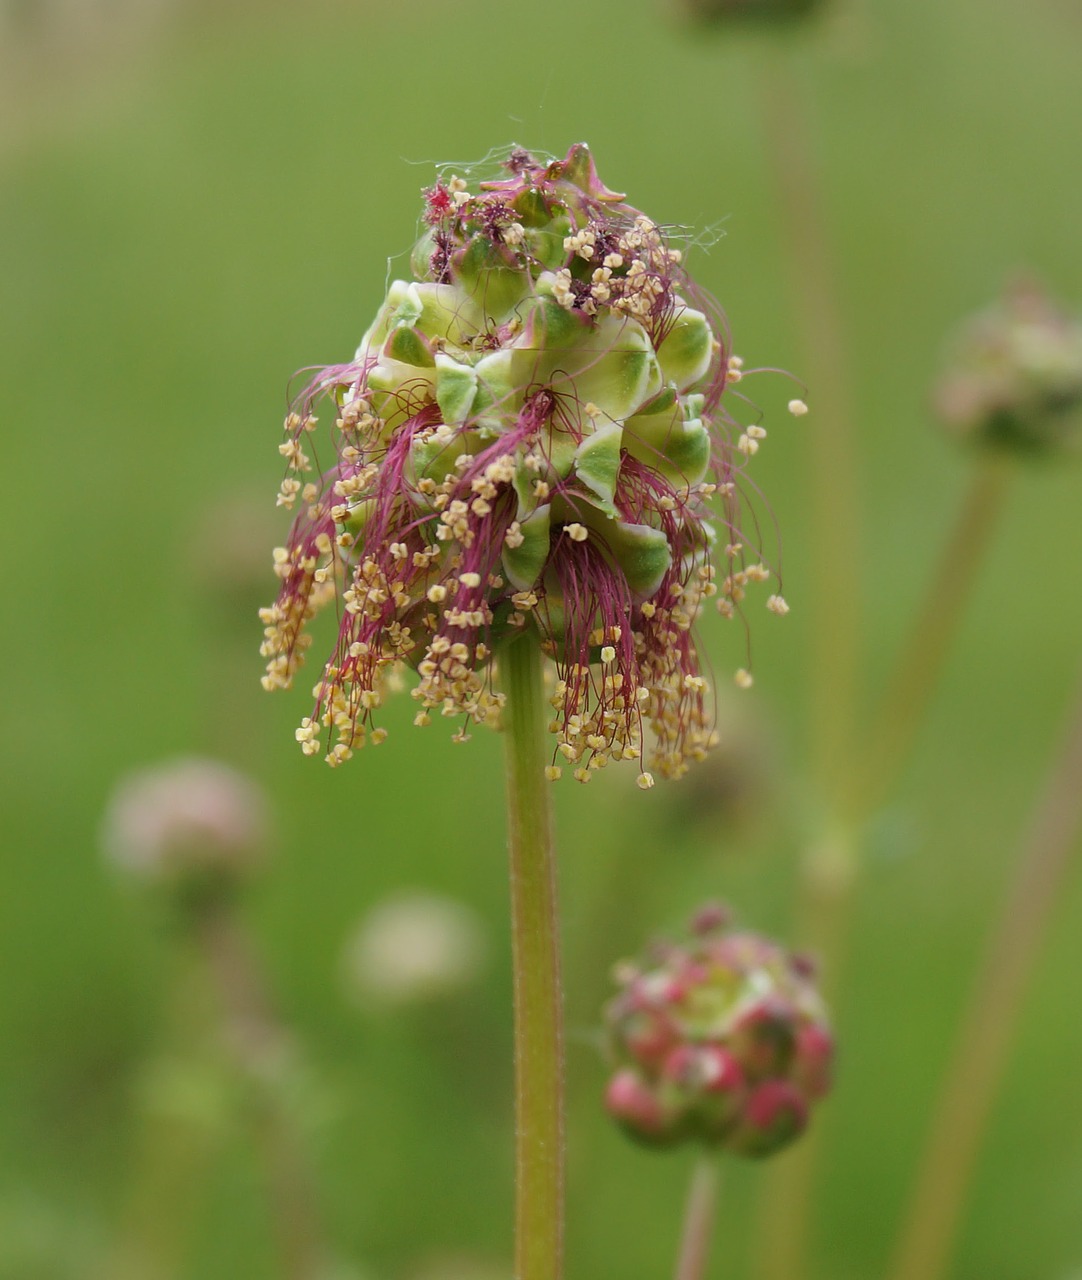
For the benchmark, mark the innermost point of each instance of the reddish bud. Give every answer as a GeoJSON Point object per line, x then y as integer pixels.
{"type": "Point", "coordinates": [635, 1106]}
{"type": "Point", "coordinates": [814, 1060]}
{"type": "Point", "coordinates": [775, 1114]}
{"type": "Point", "coordinates": [724, 1039]}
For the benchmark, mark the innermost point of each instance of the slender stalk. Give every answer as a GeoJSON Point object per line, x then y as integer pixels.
{"type": "Point", "coordinates": [921, 662]}
{"type": "Point", "coordinates": [834, 526]}
{"type": "Point", "coordinates": [835, 541]}
{"type": "Point", "coordinates": [698, 1219]}
{"type": "Point", "coordinates": [261, 1048]}
{"type": "Point", "coordinates": [987, 1029]}
{"type": "Point", "coordinates": [539, 1084]}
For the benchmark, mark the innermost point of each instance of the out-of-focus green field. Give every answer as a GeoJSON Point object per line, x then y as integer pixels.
{"type": "Point", "coordinates": [188, 217]}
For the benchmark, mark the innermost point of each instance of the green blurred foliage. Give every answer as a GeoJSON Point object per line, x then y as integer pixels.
{"type": "Point", "coordinates": [191, 209]}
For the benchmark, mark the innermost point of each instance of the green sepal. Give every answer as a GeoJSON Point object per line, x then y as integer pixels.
{"type": "Point", "coordinates": [421, 255]}
{"type": "Point", "coordinates": [550, 327]}
{"type": "Point", "coordinates": [597, 464]}
{"type": "Point", "coordinates": [679, 449]}
{"type": "Point", "coordinates": [547, 246]}
{"type": "Point", "coordinates": [386, 318]}
{"type": "Point", "coordinates": [409, 309]}
{"type": "Point", "coordinates": [409, 347]}
{"type": "Point", "coordinates": [385, 381]}
{"type": "Point", "coordinates": [456, 386]}
{"type": "Point", "coordinates": [612, 365]}
{"type": "Point", "coordinates": [641, 553]}
{"type": "Point", "coordinates": [498, 397]}
{"type": "Point", "coordinates": [686, 352]}
{"type": "Point", "coordinates": [531, 208]}
{"type": "Point", "coordinates": [445, 312]}
{"type": "Point", "coordinates": [523, 564]}
{"type": "Point", "coordinates": [663, 402]}
{"type": "Point", "coordinates": [485, 274]}
{"type": "Point", "coordinates": [358, 515]}
{"type": "Point", "coordinates": [434, 459]}
{"type": "Point", "coordinates": [560, 456]}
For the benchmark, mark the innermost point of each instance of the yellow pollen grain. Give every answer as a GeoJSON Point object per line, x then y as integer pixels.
{"type": "Point", "coordinates": [577, 532]}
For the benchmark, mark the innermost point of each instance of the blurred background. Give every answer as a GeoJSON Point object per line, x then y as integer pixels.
{"type": "Point", "coordinates": [197, 200]}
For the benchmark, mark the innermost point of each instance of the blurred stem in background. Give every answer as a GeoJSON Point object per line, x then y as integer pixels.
{"type": "Point", "coordinates": [849, 789]}
{"type": "Point", "coordinates": [169, 1161]}
{"type": "Point", "coordinates": [193, 833]}
{"type": "Point", "coordinates": [539, 1083]}
{"type": "Point", "coordinates": [829, 866]}
{"type": "Point", "coordinates": [988, 1026]}
{"type": "Point", "coordinates": [175, 1147]}
{"type": "Point", "coordinates": [831, 447]}
{"type": "Point", "coordinates": [698, 1219]}
{"type": "Point", "coordinates": [264, 1056]}
{"type": "Point", "coordinates": [920, 664]}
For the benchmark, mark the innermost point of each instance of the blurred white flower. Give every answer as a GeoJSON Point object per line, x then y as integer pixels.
{"type": "Point", "coordinates": [187, 817]}
{"type": "Point", "coordinates": [415, 947]}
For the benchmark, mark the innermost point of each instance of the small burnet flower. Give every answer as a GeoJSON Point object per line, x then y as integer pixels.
{"type": "Point", "coordinates": [189, 823]}
{"type": "Point", "coordinates": [415, 948]}
{"type": "Point", "coordinates": [528, 437]}
{"type": "Point", "coordinates": [721, 1038]}
{"type": "Point", "coordinates": [1014, 377]}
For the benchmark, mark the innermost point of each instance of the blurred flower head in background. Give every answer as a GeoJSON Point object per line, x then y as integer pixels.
{"type": "Point", "coordinates": [1013, 380]}
{"type": "Point", "coordinates": [528, 437]}
{"type": "Point", "coordinates": [722, 1038]}
{"type": "Point", "coordinates": [192, 824]}
{"type": "Point", "coordinates": [414, 948]}
{"type": "Point", "coordinates": [752, 11]}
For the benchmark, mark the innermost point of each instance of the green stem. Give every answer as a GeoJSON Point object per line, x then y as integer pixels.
{"type": "Point", "coordinates": [922, 659]}
{"type": "Point", "coordinates": [987, 1029]}
{"type": "Point", "coordinates": [539, 1085]}
{"type": "Point", "coordinates": [698, 1219]}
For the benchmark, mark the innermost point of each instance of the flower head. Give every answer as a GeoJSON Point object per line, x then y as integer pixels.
{"type": "Point", "coordinates": [198, 825]}
{"type": "Point", "coordinates": [1015, 377]}
{"type": "Point", "coordinates": [722, 1038]}
{"type": "Point", "coordinates": [528, 436]}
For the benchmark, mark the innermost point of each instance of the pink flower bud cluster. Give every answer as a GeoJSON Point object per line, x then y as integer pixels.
{"type": "Point", "coordinates": [721, 1039]}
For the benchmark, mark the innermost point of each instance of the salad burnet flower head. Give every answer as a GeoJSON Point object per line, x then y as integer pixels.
{"type": "Point", "coordinates": [531, 435]}
{"type": "Point", "coordinates": [722, 1039]}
